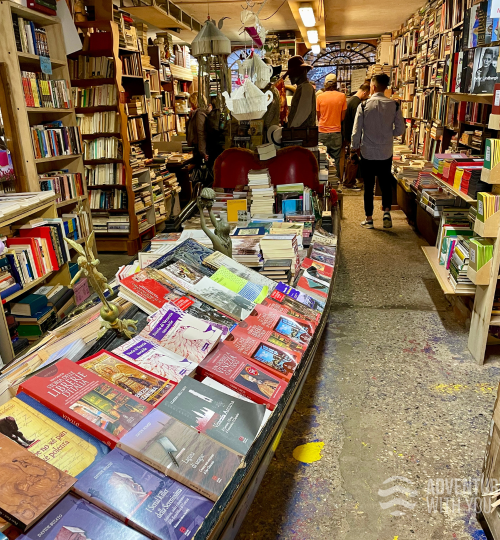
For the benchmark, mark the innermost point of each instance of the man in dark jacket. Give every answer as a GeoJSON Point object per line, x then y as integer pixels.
{"type": "Point", "coordinates": [196, 135]}
{"type": "Point", "coordinates": [303, 107]}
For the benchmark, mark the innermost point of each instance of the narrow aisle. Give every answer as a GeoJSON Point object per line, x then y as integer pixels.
{"type": "Point", "coordinates": [393, 392]}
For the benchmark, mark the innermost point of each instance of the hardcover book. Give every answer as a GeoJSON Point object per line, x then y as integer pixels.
{"type": "Point", "coordinates": [232, 422]}
{"type": "Point", "coordinates": [77, 519]}
{"type": "Point", "coordinates": [102, 409]}
{"type": "Point", "coordinates": [243, 376]}
{"type": "Point", "coordinates": [150, 502]}
{"type": "Point", "coordinates": [180, 452]}
{"type": "Point", "coordinates": [156, 359]}
{"type": "Point", "coordinates": [301, 297]}
{"type": "Point", "coordinates": [182, 333]}
{"type": "Point", "coordinates": [51, 438]}
{"type": "Point", "coordinates": [305, 312]}
{"type": "Point", "coordinates": [30, 487]}
{"type": "Point", "coordinates": [277, 359]}
{"type": "Point", "coordinates": [221, 298]}
{"type": "Point", "coordinates": [134, 380]}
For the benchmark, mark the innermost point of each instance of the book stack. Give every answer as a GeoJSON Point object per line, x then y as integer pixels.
{"type": "Point", "coordinates": [137, 158]}
{"type": "Point", "coordinates": [281, 247]}
{"type": "Point", "coordinates": [262, 193]}
{"type": "Point", "coordinates": [306, 219]}
{"type": "Point", "coordinates": [458, 265]}
{"type": "Point", "coordinates": [247, 251]}
{"type": "Point", "coordinates": [278, 269]}
{"type": "Point", "coordinates": [266, 151]}
{"type": "Point", "coordinates": [135, 129]}
{"type": "Point", "coordinates": [290, 199]}
{"type": "Point", "coordinates": [287, 227]}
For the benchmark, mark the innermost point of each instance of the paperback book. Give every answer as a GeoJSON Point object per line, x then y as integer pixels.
{"type": "Point", "coordinates": [77, 519]}
{"type": "Point", "coordinates": [287, 310]}
{"type": "Point", "coordinates": [250, 291]}
{"type": "Point", "coordinates": [136, 381]}
{"type": "Point", "coordinates": [322, 270]}
{"type": "Point", "coordinates": [247, 378]}
{"type": "Point", "coordinates": [180, 452]}
{"type": "Point", "coordinates": [182, 334]}
{"type": "Point", "coordinates": [147, 500]}
{"type": "Point", "coordinates": [30, 486]}
{"type": "Point", "coordinates": [156, 359]}
{"type": "Point", "coordinates": [314, 287]}
{"type": "Point", "coordinates": [301, 297]}
{"type": "Point", "coordinates": [232, 422]}
{"type": "Point", "coordinates": [305, 312]}
{"type": "Point", "coordinates": [51, 438]}
{"type": "Point", "coordinates": [102, 409]}
{"type": "Point", "coordinates": [182, 274]}
{"type": "Point", "coordinates": [190, 252]}
{"type": "Point", "coordinates": [322, 257]}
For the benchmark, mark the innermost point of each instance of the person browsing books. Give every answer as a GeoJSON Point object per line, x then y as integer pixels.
{"type": "Point", "coordinates": [377, 122]}
{"type": "Point", "coordinates": [331, 108]}
{"type": "Point", "coordinates": [351, 168]}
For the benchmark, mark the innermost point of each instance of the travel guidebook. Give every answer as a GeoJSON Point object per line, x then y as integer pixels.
{"type": "Point", "coordinates": [180, 452]}
{"type": "Point", "coordinates": [181, 333]}
{"type": "Point", "coordinates": [51, 438]}
{"type": "Point", "coordinates": [147, 500]}
{"type": "Point", "coordinates": [243, 376]}
{"type": "Point", "coordinates": [85, 399]}
{"type": "Point", "coordinates": [156, 359]}
{"type": "Point", "coordinates": [134, 380]}
{"type": "Point", "coordinates": [232, 422]}
{"type": "Point", "coordinates": [29, 486]}
{"type": "Point", "coordinates": [76, 519]}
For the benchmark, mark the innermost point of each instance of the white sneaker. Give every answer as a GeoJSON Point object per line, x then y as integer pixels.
{"type": "Point", "coordinates": [367, 224]}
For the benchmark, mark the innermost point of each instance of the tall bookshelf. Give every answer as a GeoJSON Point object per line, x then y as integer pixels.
{"type": "Point", "coordinates": [422, 74]}
{"type": "Point", "coordinates": [20, 117]}
{"type": "Point", "coordinates": [102, 38]}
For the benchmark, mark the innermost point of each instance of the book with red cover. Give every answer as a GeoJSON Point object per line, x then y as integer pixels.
{"type": "Point", "coordinates": [42, 232]}
{"type": "Point", "coordinates": [41, 9]}
{"type": "Point", "coordinates": [100, 408]}
{"type": "Point", "coordinates": [308, 285]}
{"type": "Point", "coordinates": [276, 359]}
{"type": "Point", "coordinates": [150, 286]}
{"type": "Point", "coordinates": [247, 378]}
{"type": "Point", "coordinates": [134, 379]}
{"type": "Point", "coordinates": [288, 310]}
{"type": "Point", "coordinates": [306, 313]}
{"type": "Point", "coordinates": [297, 329]}
{"type": "Point", "coordinates": [34, 249]}
{"type": "Point", "coordinates": [272, 337]}
{"type": "Point", "coordinates": [324, 270]}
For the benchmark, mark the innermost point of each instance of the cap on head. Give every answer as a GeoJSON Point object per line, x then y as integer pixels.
{"type": "Point", "coordinates": [331, 78]}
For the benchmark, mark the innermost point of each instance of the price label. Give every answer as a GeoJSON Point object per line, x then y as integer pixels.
{"type": "Point", "coordinates": [480, 209]}
{"type": "Point", "coordinates": [488, 153]}
{"type": "Point", "coordinates": [46, 65]}
{"type": "Point", "coordinates": [497, 98]}
{"type": "Point", "coordinates": [472, 254]}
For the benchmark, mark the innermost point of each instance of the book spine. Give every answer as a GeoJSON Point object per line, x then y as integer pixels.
{"type": "Point", "coordinates": [12, 519]}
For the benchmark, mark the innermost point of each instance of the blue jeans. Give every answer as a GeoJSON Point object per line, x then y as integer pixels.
{"type": "Point", "coordinates": [333, 143]}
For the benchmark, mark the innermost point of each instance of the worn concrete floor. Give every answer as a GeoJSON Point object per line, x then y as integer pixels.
{"type": "Point", "coordinates": [393, 392]}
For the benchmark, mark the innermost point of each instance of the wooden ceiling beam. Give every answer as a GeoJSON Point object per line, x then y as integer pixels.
{"type": "Point", "coordinates": [319, 13]}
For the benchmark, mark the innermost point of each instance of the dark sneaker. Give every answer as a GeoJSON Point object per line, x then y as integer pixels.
{"type": "Point", "coordinates": [387, 220]}
{"type": "Point", "coordinates": [352, 188]}
{"type": "Point", "coordinates": [367, 224]}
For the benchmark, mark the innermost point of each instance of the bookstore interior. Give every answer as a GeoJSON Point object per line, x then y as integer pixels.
{"type": "Point", "coordinates": [127, 129]}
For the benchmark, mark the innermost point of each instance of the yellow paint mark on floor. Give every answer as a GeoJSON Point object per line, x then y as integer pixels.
{"type": "Point", "coordinates": [485, 388]}
{"type": "Point", "coordinates": [450, 388]}
{"type": "Point", "coordinates": [395, 538]}
{"type": "Point", "coordinates": [309, 452]}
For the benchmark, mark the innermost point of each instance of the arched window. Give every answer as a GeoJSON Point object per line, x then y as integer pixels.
{"type": "Point", "coordinates": [341, 58]}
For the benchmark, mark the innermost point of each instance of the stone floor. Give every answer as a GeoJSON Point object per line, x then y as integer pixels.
{"type": "Point", "coordinates": [393, 392]}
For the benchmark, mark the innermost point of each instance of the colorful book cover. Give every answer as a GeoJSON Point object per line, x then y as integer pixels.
{"type": "Point", "coordinates": [322, 257]}
{"type": "Point", "coordinates": [147, 500]}
{"type": "Point", "coordinates": [77, 519]}
{"type": "Point", "coordinates": [313, 287]}
{"type": "Point", "coordinates": [249, 231]}
{"type": "Point", "coordinates": [250, 291]}
{"type": "Point", "coordinates": [102, 409]}
{"type": "Point", "coordinates": [182, 274]}
{"type": "Point", "coordinates": [277, 359]}
{"type": "Point", "coordinates": [180, 452]}
{"type": "Point", "coordinates": [232, 304]}
{"type": "Point", "coordinates": [30, 486]}
{"type": "Point", "coordinates": [51, 438]}
{"type": "Point", "coordinates": [232, 422]}
{"type": "Point", "coordinates": [202, 310]}
{"type": "Point", "coordinates": [156, 359]}
{"type": "Point", "coordinates": [288, 310]}
{"type": "Point", "coordinates": [301, 297]}
{"type": "Point", "coordinates": [297, 329]}
{"type": "Point", "coordinates": [181, 333]}
{"type": "Point", "coordinates": [189, 251]}
{"type": "Point", "coordinates": [307, 313]}
{"type": "Point", "coordinates": [325, 271]}
{"type": "Point", "coordinates": [134, 380]}
{"type": "Point", "coordinates": [243, 376]}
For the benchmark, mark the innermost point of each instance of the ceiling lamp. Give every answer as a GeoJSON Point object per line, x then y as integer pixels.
{"type": "Point", "coordinates": [306, 13]}
{"type": "Point", "coordinates": [210, 40]}
{"type": "Point", "coordinates": [316, 49]}
{"type": "Point", "coordinates": [312, 36]}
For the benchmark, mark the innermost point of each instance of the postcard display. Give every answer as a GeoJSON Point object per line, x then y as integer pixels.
{"type": "Point", "coordinates": [161, 436]}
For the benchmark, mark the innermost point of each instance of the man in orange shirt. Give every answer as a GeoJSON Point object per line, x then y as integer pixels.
{"type": "Point", "coordinates": [330, 109]}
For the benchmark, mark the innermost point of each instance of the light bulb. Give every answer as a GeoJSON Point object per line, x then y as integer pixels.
{"type": "Point", "coordinates": [307, 15]}
{"type": "Point", "coordinates": [316, 49]}
{"type": "Point", "coordinates": [312, 36]}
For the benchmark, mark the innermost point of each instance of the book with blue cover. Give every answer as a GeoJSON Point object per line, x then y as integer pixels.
{"type": "Point", "coordinates": [189, 251]}
{"type": "Point", "coordinates": [249, 231]}
{"type": "Point", "coordinates": [77, 519]}
{"type": "Point", "coordinates": [148, 501]}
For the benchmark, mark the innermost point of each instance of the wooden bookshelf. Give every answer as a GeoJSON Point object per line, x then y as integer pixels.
{"type": "Point", "coordinates": [20, 116]}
